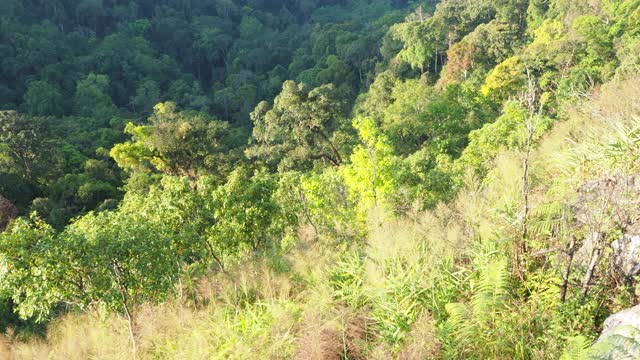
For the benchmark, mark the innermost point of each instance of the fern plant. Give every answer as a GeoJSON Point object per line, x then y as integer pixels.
{"type": "Point", "coordinates": [473, 325]}
{"type": "Point", "coordinates": [346, 280]}
{"type": "Point", "coordinates": [624, 344]}
{"type": "Point", "coordinates": [576, 348]}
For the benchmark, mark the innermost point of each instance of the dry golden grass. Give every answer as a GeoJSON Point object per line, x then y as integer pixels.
{"type": "Point", "coordinates": [322, 343]}
{"type": "Point", "coordinates": [78, 336]}
{"type": "Point", "coordinates": [422, 342]}
{"type": "Point", "coordinates": [250, 312]}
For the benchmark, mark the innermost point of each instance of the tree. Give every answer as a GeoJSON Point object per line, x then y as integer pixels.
{"type": "Point", "coordinates": [460, 61]}
{"type": "Point", "coordinates": [325, 198]}
{"type": "Point", "coordinates": [214, 44]}
{"type": "Point", "coordinates": [300, 128]}
{"type": "Point", "coordinates": [532, 122]}
{"type": "Point", "coordinates": [90, 13]}
{"type": "Point", "coordinates": [92, 99]}
{"type": "Point", "coordinates": [178, 143]}
{"type": "Point", "coordinates": [512, 11]}
{"type": "Point", "coordinates": [246, 215]}
{"type": "Point", "coordinates": [26, 148]}
{"type": "Point", "coordinates": [109, 258]}
{"type": "Point", "coordinates": [371, 174]}
{"type": "Point", "coordinates": [43, 99]}
{"type": "Point", "coordinates": [121, 261]}
{"type": "Point", "coordinates": [460, 18]}
{"type": "Point", "coordinates": [36, 273]}
{"type": "Point", "coordinates": [594, 32]}
{"type": "Point", "coordinates": [147, 95]}
{"type": "Point", "coordinates": [505, 80]}
{"type": "Point", "coordinates": [379, 96]}
{"type": "Point", "coordinates": [129, 61]}
{"type": "Point", "coordinates": [423, 42]}
{"type": "Point", "coordinates": [439, 120]}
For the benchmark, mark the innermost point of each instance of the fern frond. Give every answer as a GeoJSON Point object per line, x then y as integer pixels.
{"type": "Point", "coordinates": [576, 348]}
{"type": "Point", "coordinates": [625, 344]}
{"type": "Point", "coordinates": [492, 287]}
{"type": "Point", "coordinates": [550, 218]}
{"type": "Point", "coordinates": [458, 314]}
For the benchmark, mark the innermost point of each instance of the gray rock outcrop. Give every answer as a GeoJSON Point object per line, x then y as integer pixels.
{"type": "Point", "coordinates": [625, 318]}
{"type": "Point", "coordinates": [620, 338]}
{"type": "Point", "coordinates": [604, 205]}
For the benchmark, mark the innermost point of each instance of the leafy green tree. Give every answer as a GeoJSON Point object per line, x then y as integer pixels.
{"type": "Point", "coordinates": [130, 261]}
{"type": "Point", "coordinates": [91, 98]}
{"type": "Point", "coordinates": [400, 121]}
{"type": "Point", "coordinates": [379, 96]}
{"type": "Point", "coordinates": [512, 11]}
{"type": "Point", "coordinates": [246, 214]}
{"type": "Point", "coordinates": [178, 143]}
{"type": "Point", "coordinates": [440, 120]}
{"type": "Point", "coordinates": [426, 179]}
{"type": "Point", "coordinates": [213, 43]}
{"type": "Point", "coordinates": [337, 72]}
{"type": "Point", "coordinates": [26, 148]}
{"type": "Point", "coordinates": [108, 258]}
{"type": "Point", "coordinates": [595, 33]}
{"type": "Point", "coordinates": [371, 174]}
{"type": "Point", "coordinates": [128, 62]}
{"type": "Point", "coordinates": [536, 13]}
{"type": "Point", "coordinates": [301, 127]}
{"type": "Point", "coordinates": [506, 80]}
{"type": "Point", "coordinates": [188, 95]}
{"type": "Point", "coordinates": [250, 27]}
{"type": "Point", "coordinates": [44, 99]}
{"type": "Point", "coordinates": [123, 262]}
{"type": "Point", "coordinates": [35, 268]}
{"type": "Point", "coordinates": [508, 132]}
{"type": "Point", "coordinates": [423, 41]}
{"type": "Point", "coordinates": [147, 95]}
{"type": "Point", "coordinates": [333, 212]}
{"type": "Point", "coordinates": [459, 18]}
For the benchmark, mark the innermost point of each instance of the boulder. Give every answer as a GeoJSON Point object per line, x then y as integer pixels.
{"type": "Point", "coordinates": [624, 255]}
{"type": "Point", "coordinates": [626, 252]}
{"type": "Point", "coordinates": [602, 205]}
{"type": "Point", "coordinates": [620, 338]}
{"type": "Point", "coordinates": [582, 256]}
{"type": "Point", "coordinates": [8, 211]}
{"type": "Point", "coordinates": [619, 195]}
{"type": "Point", "coordinates": [629, 318]}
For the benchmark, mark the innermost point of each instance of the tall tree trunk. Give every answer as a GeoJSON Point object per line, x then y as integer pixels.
{"type": "Point", "coordinates": [567, 270]}
{"type": "Point", "coordinates": [374, 174]}
{"type": "Point", "coordinates": [595, 257]}
{"type": "Point", "coordinates": [134, 346]}
{"type": "Point", "coordinates": [532, 122]}
{"type": "Point", "coordinates": [435, 68]}
{"type": "Point", "coordinates": [125, 304]}
{"type": "Point", "coordinates": [305, 211]}
{"type": "Point", "coordinates": [336, 159]}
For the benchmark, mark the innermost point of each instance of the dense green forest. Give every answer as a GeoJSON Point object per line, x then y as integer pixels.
{"type": "Point", "coordinates": [319, 179]}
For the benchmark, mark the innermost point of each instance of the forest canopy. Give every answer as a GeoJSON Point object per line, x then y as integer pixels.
{"type": "Point", "coordinates": [317, 179]}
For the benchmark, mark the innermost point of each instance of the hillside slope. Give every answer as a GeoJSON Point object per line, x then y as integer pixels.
{"type": "Point", "coordinates": [472, 192]}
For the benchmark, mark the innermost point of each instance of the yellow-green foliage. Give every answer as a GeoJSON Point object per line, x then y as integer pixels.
{"type": "Point", "coordinates": [371, 175]}
{"type": "Point", "coordinates": [506, 79]}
